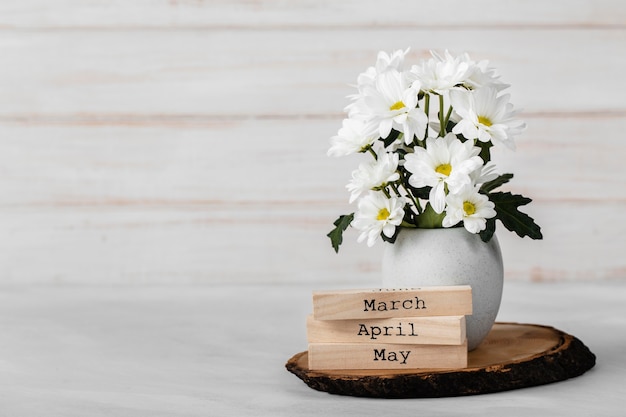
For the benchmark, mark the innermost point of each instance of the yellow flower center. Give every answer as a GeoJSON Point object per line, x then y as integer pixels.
{"type": "Point", "coordinates": [397, 105]}
{"type": "Point", "coordinates": [469, 208]}
{"type": "Point", "coordinates": [444, 169]}
{"type": "Point", "coordinates": [484, 121]}
{"type": "Point", "coordinates": [383, 214]}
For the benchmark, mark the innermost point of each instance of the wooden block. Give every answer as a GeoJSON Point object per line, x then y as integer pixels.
{"type": "Point", "coordinates": [336, 356]}
{"type": "Point", "coordinates": [512, 356]}
{"type": "Point", "coordinates": [442, 330]}
{"type": "Point", "coordinates": [384, 303]}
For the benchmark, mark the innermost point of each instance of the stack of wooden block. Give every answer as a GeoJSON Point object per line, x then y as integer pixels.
{"type": "Point", "coordinates": [389, 329]}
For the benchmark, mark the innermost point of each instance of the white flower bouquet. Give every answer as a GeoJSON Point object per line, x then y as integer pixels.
{"type": "Point", "coordinates": [429, 130]}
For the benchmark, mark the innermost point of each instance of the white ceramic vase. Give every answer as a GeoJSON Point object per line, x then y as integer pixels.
{"type": "Point", "coordinates": [431, 257]}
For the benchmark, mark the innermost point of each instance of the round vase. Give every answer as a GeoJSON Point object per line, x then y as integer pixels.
{"type": "Point", "coordinates": [454, 256]}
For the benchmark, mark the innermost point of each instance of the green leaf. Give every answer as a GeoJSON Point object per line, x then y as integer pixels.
{"type": "Point", "coordinates": [485, 150]}
{"type": "Point", "coordinates": [341, 224]}
{"type": "Point", "coordinates": [490, 229]}
{"type": "Point", "coordinates": [493, 184]}
{"type": "Point", "coordinates": [429, 219]}
{"type": "Point", "coordinates": [450, 126]}
{"type": "Point", "coordinates": [422, 193]}
{"type": "Point", "coordinates": [391, 239]}
{"type": "Point", "coordinates": [507, 212]}
{"type": "Point", "coordinates": [393, 135]}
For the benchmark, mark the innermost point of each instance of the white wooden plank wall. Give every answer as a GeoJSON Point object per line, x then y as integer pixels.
{"type": "Point", "coordinates": [177, 142]}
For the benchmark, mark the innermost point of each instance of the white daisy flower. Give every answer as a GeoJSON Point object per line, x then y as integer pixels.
{"type": "Point", "coordinates": [354, 136]}
{"type": "Point", "coordinates": [469, 206]}
{"type": "Point", "coordinates": [377, 214]}
{"type": "Point", "coordinates": [440, 74]}
{"type": "Point", "coordinates": [482, 115]}
{"type": "Point", "coordinates": [445, 163]}
{"type": "Point", "coordinates": [481, 75]}
{"type": "Point", "coordinates": [384, 62]}
{"type": "Point", "coordinates": [374, 175]}
{"type": "Point", "coordinates": [484, 174]}
{"type": "Point", "coordinates": [392, 104]}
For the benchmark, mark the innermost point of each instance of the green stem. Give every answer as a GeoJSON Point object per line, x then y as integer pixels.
{"type": "Point", "coordinates": [442, 127]}
{"type": "Point", "coordinates": [448, 115]}
{"type": "Point", "coordinates": [370, 150]}
{"type": "Point", "coordinates": [395, 189]}
{"type": "Point", "coordinates": [426, 110]}
{"type": "Point", "coordinates": [415, 201]}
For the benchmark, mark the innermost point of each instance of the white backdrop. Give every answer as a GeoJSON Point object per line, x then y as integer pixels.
{"type": "Point", "coordinates": [183, 141]}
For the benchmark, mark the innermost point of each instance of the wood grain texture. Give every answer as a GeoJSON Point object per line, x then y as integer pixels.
{"type": "Point", "coordinates": [443, 330]}
{"type": "Point", "coordinates": [374, 303]}
{"type": "Point", "coordinates": [166, 142]}
{"type": "Point", "coordinates": [271, 14]}
{"type": "Point", "coordinates": [242, 74]}
{"type": "Point", "coordinates": [350, 356]}
{"type": "Point", "coordinates": [513, 356]}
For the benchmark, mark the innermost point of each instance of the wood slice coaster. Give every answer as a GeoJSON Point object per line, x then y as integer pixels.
{"type": "Point", "coordinates": [512, 356]}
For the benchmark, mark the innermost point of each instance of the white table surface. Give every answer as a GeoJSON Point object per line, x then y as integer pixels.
{"type": "Point", "coordinates": [221, 351]}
